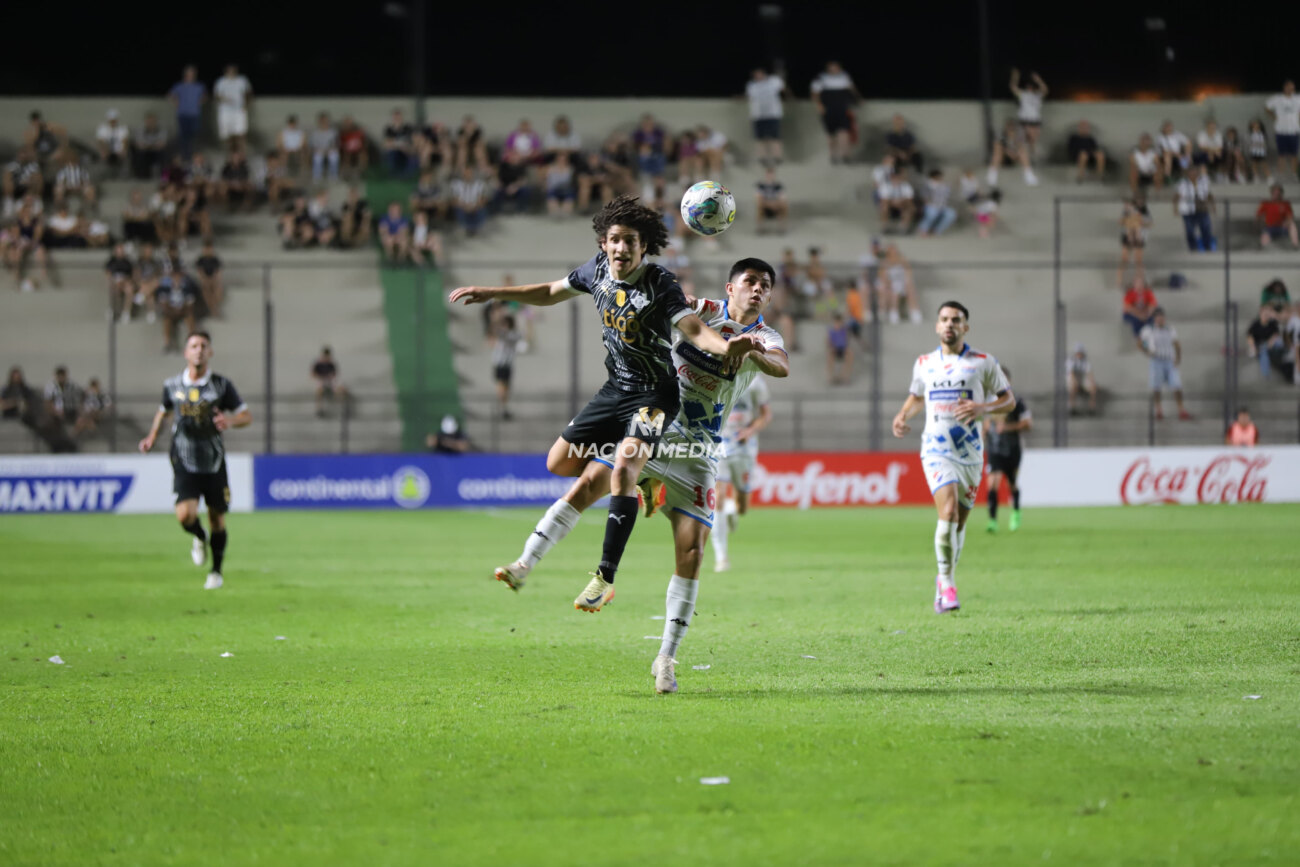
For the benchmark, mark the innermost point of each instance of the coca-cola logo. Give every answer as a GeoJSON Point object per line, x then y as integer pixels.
{"type": "Point", "coordinates": [816, 486]}
{"type": "Point", "coordinates": [1228, 478]}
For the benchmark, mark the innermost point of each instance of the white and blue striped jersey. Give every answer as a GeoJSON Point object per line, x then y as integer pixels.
{"type": "Point", "coordinates": [944, 380]}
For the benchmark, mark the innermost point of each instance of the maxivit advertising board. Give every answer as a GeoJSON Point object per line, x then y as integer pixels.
{"type": "Point", "coordinates": [404, 481]}
{"type": "Point", "coordinates": [105, 483]}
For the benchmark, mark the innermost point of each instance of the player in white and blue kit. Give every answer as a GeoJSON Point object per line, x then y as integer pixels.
{"type": "Point", "coordinates": [751, 413]}
{"type": "Point", "coordinates": [956, 386]}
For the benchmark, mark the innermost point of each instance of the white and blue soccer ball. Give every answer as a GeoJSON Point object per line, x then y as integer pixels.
{"type": "Point", "coordinates": [708, 208]}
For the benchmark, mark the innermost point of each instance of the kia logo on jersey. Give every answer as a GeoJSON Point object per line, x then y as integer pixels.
{"type": "Point", "coordinates": [950, 383]}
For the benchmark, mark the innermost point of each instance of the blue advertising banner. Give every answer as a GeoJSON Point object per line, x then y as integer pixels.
{"type": "Point", "coordinates": [403, 481]}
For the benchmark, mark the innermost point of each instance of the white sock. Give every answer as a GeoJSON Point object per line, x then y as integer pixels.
{"type": "Point", "coordinates": [718, 537]}
{"type": "Point", "coordinates": [680, 605]}
{"type": "Point", "coordinates": [993, 177]}
{"type": "Point", "coordinates": [559, 519]}
{"type": "Point", "coordinates": [961, 543]}
{"type": "Point", "coordinates": [729, 506]}
{"type": "Point", "coordinates": [945, 549]}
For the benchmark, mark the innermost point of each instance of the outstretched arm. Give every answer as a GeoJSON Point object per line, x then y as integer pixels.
{"type": "Point", "coordinates": [772, 362]}
{"type": "Point", "coordinates": [910, 407]}
{"type": "Point", "coordinates": [536, 294]}
{"type": "Point", "coordinates": [1015, 81]}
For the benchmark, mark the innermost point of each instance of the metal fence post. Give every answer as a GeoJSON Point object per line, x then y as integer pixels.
{"type": "Point", "coordinates": [1229, 327]}
{"type": "Point", "coordinates": [877, 377]}
{"type": "Point", "coordinates": [112, 380]}
{"type": "Point", "coordinates": [421, 397]}
{"type": "Point", "coordinates": [1058, 349]}
{"type": "Point", "coordinates": [268, 364]}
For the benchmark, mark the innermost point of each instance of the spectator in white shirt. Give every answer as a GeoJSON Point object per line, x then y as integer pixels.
{"type": "Point", "coordinates": [114, 141]}
{"type": "Point", "coordinates": [292, 145]}
{"type": "Point", "coordinates": [1285, 110]}
{"type": "Point", "coordinates": [1159, 342]}
{"type": "Point", "coordinates": [880, 176]}
{"type": "Point", "coordinates": [469, 200]}
{"type": "Point", "coordinates": [1078, 377]}
{"type": "Point", "coordinates": [234, 95]}
{"type": "Point", "coordinates": [939, 215]}
{"type": "Point", "coordinates": [73, 179]}
{"type": "Point", "coordinates": [712, 145]}
{"type": "Point", "coordinates": [765, 111]}
{"type": "Point", "coordinates": [1030, 113]}
{"type": "Point", "coordinates": [1145, 166]}
{"type": "Point", "coordinates": [1013, 145]}
{"type": "Point", "coordinates": [1175, 149]}
{"type": "Point", "coordinates": [834, 94]}
{"type": "Point", "coordinates": [561, 139]}
{"type": "Point", "coordinates": [1209, 149]}
{"type": "Point", "coordinates": [324, 141]}
{"type": "Point", "coordinates": [1194, 202]}
{"type": "Point", "coordinates": [897, 202]}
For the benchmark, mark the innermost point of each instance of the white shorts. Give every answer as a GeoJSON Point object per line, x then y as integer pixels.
{"type": "Point", "coordinates": [736, 467]}
{"type": "Point", "coordinates": [688, 485]}
{"type": "Point", "coordinates": [940, 472]}
{"type": "Point", "coordinates": [231, 121]}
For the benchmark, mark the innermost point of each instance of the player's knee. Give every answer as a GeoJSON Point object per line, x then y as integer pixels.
{"type": "Point", "coordinates": [216, 520]}
{"type": "Point", "coordinates": [948, 511]}
{"type": "Point", "coordinates": [689, 557]}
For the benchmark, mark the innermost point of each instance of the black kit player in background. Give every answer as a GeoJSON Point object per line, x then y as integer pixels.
{"type": "Point", "coordinates": [639, 304]}
{"type": "Point", "coordinates": [1004, 450]}
{"type": "Point", "coordinates": [205, 404]}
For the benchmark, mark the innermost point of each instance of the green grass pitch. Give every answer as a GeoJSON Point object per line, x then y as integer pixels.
{"type": "Point", "coordinates": [1089, 704]}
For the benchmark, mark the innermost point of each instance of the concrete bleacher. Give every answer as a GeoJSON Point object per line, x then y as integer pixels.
{"type": "Point", "coordinates": [1007, 280]}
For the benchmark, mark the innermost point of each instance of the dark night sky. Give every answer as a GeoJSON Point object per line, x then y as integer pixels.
{"type": "Point", "coordinates": [897, 49]}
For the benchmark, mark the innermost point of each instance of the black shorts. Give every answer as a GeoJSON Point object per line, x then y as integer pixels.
{"type": "Point", "coordinates": [1008, 465]}
{"type": "Point", "coordinates": [213, 488]}
{"type": "Point", "coordinates": [836, 120]}
{"type": "Point", "coordinates": [501, 373]}
{"type": "Point", "coordinates": [767, 128]}
{"type": "Point", "coordinates": [1129, 244]}
{"type": "Point", "coordinates": [613, 414]}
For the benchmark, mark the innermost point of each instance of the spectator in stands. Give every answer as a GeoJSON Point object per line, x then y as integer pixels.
{"type": "Point", "coordinates": [1175, 150]}
{"type": "Point", "coordinates": [523, 143]}
{"type": "Point", "coordinates": [1012, 146]}
{"type": "Point", "coordinates": [817, 284]}
{"type": "Point", "coordinates": [176, 301]}
{"type": "Point", "coordinates": [1257, 151]}
{"type": "Point", "coordinates": [43, 138]}
{"type": "Point", "coordinates": [291, 145]}
{"type": "Point", "coordinates": [395, 233]}
{"type": "Point", "coordinates": [881, 175]}
{"type": "Point", "coordinates": [939, 215]}
{"type": "Point", "coordinates": [1209, 150]}
{"type": "Point", "coordinates": [137, 219]}
{"type": "Point", "coordinates": [148, 148]}
{"type": "Point", "coordinates": [1264, 341]}
{"type": "Point", "coordinates": [28, 244]}
{"type": "Point", "coordinates": [505, 345]}
{"type": "Point", "coordinates": [1083, 150]}
{"type": "Point", "coordinates": [354, 226]}
{"type": "Point", "coordinates": [21, 176]}
{"type": "Point", "coordinates": [834, 94]}
{"type": "Point", "coordinates": [1030, 95]}
{"type": "Point", "coordinates": [1284, 108]}
{"type": "Point", "coordinates": [73, 179]}
{"type": "Point", "coordinates": [773, 205]}
{"type": "Point", "coordinates": [1234, 158]}
{"type": "Point", "coordinates": [1292, 332]}
{"type": "Point", "coordinates": [236, 185]}
{"type": "Point", "coordinates": [234, 96]}
{"type": "Point", "coordinates": [1243, 431]}
{"type": "Point", "coordinates": [469, 197]}
{"type": "Point", "coordinates": [429, 197]}
{"type": "Point", "coordinates": [399, 145]}
{"type": "Point", "coordinates": [433, 146]}
{"type": "Point", "coordinates": [63, 396]}
{"type": "Point", "coordinates": [95, 402]}
{"type": "Point", "coordinates": [969, 187]}
{"type": "Point", "coordinates": [690, 162]}
{"type": "Point", "coordinates": [712, 143]}
{"type": "Point", "coordinates": [328, 386]}
{"type": "Point", "coordinates": [512, 186]}
{"type": "Point", "coordinates": [322, 228]}
{"type": "Point", "coordinates": [900, 143]}
{"type": "Point", "coordinates": [450, 439]}
{"type": "Point", "coordinates": [1159, 342]}
{"type": "Point", "coordinates": [212, 287]}
{"type": "Point", "coordinates": [1145, 166]}
{"type": "Point", "coordinates": [562, 139]}
{"type": "Point", "coordinates": [987, 213]}
{"type": "Point", "coordinates": [894, 284]}
{"type": "Point", "coordinates": [425, 241]}
{"type": "Point", "coordinates": [64, 229]}
{"type": "Point", "coordinates": [855, 312]}
{"type": "Point", "coordinates": [165, 206]}
{"type": "Point", "coordinates": [20, 401]}
{"type": "Point", "coordinates": [324, 141]}
{"type": "Point", "coordinates": [1139, 306]}
{"type": "Point", "coordinates": [121, 283]}
{"type": "Point", "coordinates": [594, 178]}
{"type": "Point", "coordinates": [559, 186]}
{"type": "Point", "coordinates": [671, 215]}
{"type": "Point", "coordinates": [1078, 377]}
{"type": "Point", "coordinates": [765, 111]}
{"type": "Point", "coordinates": [897, 203]}
{"type": "Point", "coordinates": [650, 140]}
{"type": "Point", "coordinates": [1275, 295]}
{"type": "Point", "coordinates": [188, 95]}
{"type": "Point", "coordinates": [471, 145]}
{"type": "Point", "coordinates": [114, 141]}
{"type": "Point", "coordinates": [293, 221]}
{"type": "Point", "coordinates": [276, 184]}
{"type": "Point", "coordinates": [353, 150]}
{"type": "Point", "coordinates": [1194, 202]}
{"type": "Point", "coordinates": [1134, 223]}
{"type": "Point", "coordinates": [839, 354]}
{"type": "Point", "coordinates": [1276, 219]}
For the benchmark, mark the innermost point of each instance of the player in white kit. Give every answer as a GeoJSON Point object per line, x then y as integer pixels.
{"type": "Point", "coordinates": [956, 387]}
{"type": "Point", "coordinates": [751, 413]}
{"type": "Point", "coordinates": [685, 464]}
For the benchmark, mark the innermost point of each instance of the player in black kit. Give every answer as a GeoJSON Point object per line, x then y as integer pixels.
{"type": "Point", "coordinates": [1003, 446]}
{"type": "Point", "coordinates": [205, 404]}
{"type": "Point", "coordinates": [639, 304]}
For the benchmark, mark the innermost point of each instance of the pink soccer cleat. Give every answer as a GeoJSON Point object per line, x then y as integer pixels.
{"type": "Point", "coordinates": [945, 600]}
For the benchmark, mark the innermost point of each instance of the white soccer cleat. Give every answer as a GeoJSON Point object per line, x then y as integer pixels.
{"type": "Point", "coordinates": [199, 552]}
{"type": "Point", "coordinates": [722, 566]}
{"type": "Point", "coordinates": [514, 575]}
{"type": "Point", "coordinates": [214, 581]}
{"type": "Point", "coordinates": [598, 594]}
{"type": "Point", "coordinates": [665, 675]}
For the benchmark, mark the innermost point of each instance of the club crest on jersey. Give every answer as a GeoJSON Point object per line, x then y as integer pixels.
{"type": "Point", "coordinates": [620, 298]}
{"type": "Point", "coordinates": [194, 394]}
{"type": "Point", "coordinates": [639, 301]}
{"type": "Point", "coordinates": [179, 394]}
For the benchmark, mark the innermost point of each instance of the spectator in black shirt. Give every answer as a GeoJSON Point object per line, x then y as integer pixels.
{"type": "Point", "coordinates": [433, 146]}
{"type": "Point", "coordinates": [450, 438]}
{"type": "Point", "coordinates": [399, 146]}
{"type": "Point", "coordinates": [148, 148]}
{"type": "Point", "coordinates": [1264, 339]}
{"type": "Point", "coordinates": [121, 283]}
{"type": "Point", "coordinates": [21, 402]}
{"type": "Point", "coordinates": [211, 285]}
{"type": "Point", "coordinates": [328, 386]}
{"type": "Point", "coordinates": [354, 224]}
{"type": "Point", "coordinates": [176, 300]}
{"type": "Point", "coordinates": [901, 144]}
{"type": "Point", "coordinates": [512, 184]}
{"type": "Point", "coordinates": [236, 186]}
{"type": "Point", "coordinates": [429, 196]}
{"type": "Point", "coordinates": [1083, 149]}
{"type": "Point", "coordinates": [94, 403]}
{"type": "Point", "coordinates": [772, 202]}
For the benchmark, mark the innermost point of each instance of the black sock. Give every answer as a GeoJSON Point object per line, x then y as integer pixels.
{"type": "Point", "coordinates": [194, 528]}
{"type": "Point", "coordinates": [993, 503]}
{"type": "Point", "coordinates": [1015, 499]}
{"type": "Point", "coordinates": [218, 549]}
{"type": "Point", "coordinates": [618, 527]}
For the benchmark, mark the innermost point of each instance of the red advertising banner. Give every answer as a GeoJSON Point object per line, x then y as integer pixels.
{"type": "Point", "coordinates": [805, 479]}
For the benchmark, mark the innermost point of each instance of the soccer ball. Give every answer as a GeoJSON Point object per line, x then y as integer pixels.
{"type": "Point", "coordinates": [708, 208]}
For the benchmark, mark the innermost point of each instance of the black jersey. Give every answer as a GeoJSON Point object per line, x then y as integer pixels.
{"type": "Point", "coordinates": [637, 316]}
{"type": "Point", "coordinates": [1008, 444]}
{"type": "Point", "coordinates": [196, 442]}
